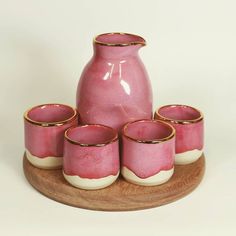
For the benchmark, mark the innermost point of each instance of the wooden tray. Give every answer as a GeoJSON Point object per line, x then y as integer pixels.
{"type": "Point", "coordinates": [120, 196]}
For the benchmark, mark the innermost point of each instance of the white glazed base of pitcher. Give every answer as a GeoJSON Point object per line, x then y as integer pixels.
{"type": "Point", "coordinates": [187, 157]}
{"type": "Point", "coordinates": [49, 162]}
{"type": "Point", "coordinates": [90, 184]}
{"type": "Point", "coordinates": [157, 179]}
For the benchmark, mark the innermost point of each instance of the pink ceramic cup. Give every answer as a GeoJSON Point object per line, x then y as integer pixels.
{"type": "Point", "coordinates": [148, 152]}
{"type": "Point", "coordinates": [44, 133]}
{"type": "Point", "coordinates": [188, 123]}
{"type": "Point", "coordinates": [91, 156]}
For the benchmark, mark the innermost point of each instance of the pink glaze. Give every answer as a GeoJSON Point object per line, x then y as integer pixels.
{"type": "Point", "coordinates": [114, 87]}
{"type": "Point", "coordinates": [188, 123]}
{"type": "Point", "coordinates": [45, 126]}
{"type": "Point", "coordinates": [148, 147]}
{"type": "Point", "coordinates": [91, 151]}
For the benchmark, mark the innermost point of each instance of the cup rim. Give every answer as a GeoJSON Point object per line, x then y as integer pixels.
{"type": "Point", "coordinates": [114, 139]}
{"type": "Point", "coordinates": [178, 121]}
{"type": "Point", "coordinates": [154, 141]}
{"type": "Point", "coordinates": [135, 42]}
{"type": "Point", "coordinates": [50, 124]}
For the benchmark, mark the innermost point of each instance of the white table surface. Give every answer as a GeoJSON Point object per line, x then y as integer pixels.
{"type": "Point", "coordinates": [191, 59]}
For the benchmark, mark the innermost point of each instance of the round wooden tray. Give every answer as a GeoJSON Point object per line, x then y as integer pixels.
{"type": "Point", "coordinates": [120, 196]}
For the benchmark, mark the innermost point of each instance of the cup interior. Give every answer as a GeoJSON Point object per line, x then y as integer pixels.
{"type": "Point", "coordinates": [51, 113]}
{"type": "Point", "coordinates": [91, 135]}
{"type": "Point", "coordinates": [148, 131]}
{"type": "Point", "coordinates": [179, 112]}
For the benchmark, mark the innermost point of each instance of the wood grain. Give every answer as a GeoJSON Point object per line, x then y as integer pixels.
{"type": "Point", "coordinates": [120, 196]}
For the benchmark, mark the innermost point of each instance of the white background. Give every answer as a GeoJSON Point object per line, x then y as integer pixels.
{"type": "Point", "coordinates": [191, 59]}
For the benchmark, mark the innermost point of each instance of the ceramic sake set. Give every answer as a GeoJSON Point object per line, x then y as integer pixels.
{"type": "Point", "coordinates": [112, 131]}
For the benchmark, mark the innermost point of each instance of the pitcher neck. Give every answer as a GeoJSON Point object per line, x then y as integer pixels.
{"type": "Point", "coordinates": [117, 45]}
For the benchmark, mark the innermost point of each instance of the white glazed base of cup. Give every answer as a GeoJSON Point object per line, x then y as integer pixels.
{"type": "Point", "coordinates": [188, 157]}
{"type": "Point", "coordinates": [157, 179]}
{"type": "Point", "coordinates": [49, 162]}
{"type": "Point", "coordinates": [90, 184]}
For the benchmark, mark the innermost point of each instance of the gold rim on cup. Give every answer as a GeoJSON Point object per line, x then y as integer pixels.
{"type": "Point", "coordinates": [50, 124]}
{"type": "Point", "coordinates": [157, 115]}
{"type": "Point", "coordinates": [154, 141]}
{"type": "Point", "coordinates": [115, 138]}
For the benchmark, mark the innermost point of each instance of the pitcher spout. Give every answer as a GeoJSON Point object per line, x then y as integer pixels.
{"type": "Point", "coordinates": [119, 39]}
{"type": "Point", "coordinates": [117, 44]}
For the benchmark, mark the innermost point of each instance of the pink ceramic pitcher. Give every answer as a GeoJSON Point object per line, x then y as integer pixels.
{"type": "Point", "coordinates": [114, 87]}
